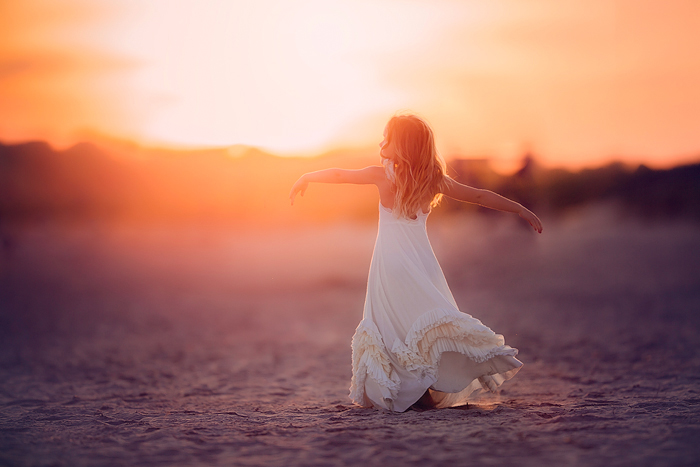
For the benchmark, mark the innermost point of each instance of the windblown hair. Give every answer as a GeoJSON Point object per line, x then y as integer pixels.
{"type": "Point", "coordinates": [419, 170]}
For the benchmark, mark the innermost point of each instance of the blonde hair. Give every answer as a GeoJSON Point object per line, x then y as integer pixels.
{"type": "Point", "coordinates": [419, 170]}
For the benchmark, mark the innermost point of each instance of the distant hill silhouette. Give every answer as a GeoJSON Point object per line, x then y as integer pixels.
{"type": "Point", "coordinates": [87, 181]}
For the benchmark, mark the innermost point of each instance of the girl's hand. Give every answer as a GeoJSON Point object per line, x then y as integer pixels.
{"type": "Point", "coordinates": [532, 219]}
{"type": "Point", "coordinates": [299, 187]}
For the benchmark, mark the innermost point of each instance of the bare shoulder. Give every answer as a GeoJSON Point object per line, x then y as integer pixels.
{"type": "Point", "coordinates": [448, 184]}
{"type": "Point", "coordinates": [453, 189]}
{"type": "Point", "coordinates": [376, 173]}
{"type": "Point", "coordinates": [375, 170]}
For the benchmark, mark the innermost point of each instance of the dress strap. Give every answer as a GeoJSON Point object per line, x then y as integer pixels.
{"type": "Point", "coordinates": [389, 170]}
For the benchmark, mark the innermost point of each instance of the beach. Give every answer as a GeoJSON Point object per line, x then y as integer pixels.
{"type": "Point", "coordinates": [219, 345]}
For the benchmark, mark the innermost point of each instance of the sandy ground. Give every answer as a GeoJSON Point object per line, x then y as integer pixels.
{"type": "Point", "coordinates": [211, 346]}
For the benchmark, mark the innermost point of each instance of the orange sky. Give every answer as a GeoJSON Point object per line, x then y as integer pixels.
{"type": "Point", "coordinates": [576, 82]}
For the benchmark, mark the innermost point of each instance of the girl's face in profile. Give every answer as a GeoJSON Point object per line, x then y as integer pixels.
{"type": "Point", "coordinates": [386, 147]}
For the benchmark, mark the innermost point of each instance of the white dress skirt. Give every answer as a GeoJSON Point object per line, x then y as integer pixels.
{"type": "Point", "coordinates": [412, 336]}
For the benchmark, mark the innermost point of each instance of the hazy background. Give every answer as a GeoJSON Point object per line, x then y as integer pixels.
{"type": "Point", "coordinates": [161, 303]}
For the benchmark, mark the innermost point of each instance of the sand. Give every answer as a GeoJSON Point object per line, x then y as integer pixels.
{"type": "Point", "coordinates": [163, 345]}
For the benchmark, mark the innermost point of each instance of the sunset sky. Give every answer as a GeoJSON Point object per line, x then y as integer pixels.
{"type": "Point", "coordinates": [576, 82]}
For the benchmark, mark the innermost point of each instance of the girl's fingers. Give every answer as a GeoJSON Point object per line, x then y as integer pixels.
{"type": "Point", "coordinates": [293, 193]}
{"type": "Point", "coordinates": [536, 224]}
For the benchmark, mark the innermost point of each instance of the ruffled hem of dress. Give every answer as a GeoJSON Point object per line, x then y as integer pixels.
{"type": "Point", "coordinates": [435, 332]}
{"type": "Point", "coordinates": [438, 331]}
{"type": "Point", "coordinates": [370, 359]}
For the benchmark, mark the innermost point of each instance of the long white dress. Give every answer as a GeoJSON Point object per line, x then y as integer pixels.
{"type": "Point", "coordinates": [413, 336]}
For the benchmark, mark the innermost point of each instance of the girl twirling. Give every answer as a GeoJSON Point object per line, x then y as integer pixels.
{"type": "Point", "coordinates": [413, 343]}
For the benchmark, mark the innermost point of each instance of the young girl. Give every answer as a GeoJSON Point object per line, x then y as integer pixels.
{"type": "Point", "coordinates": [413, 344]}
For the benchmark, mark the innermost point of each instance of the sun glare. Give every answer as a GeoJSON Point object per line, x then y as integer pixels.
{"type": "Point", "coordinates": [575, 82]}
{"type": "Point", "coordinates": [287, 76]}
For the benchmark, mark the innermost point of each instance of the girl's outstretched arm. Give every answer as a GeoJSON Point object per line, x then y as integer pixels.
{"type": "Point", "coordinates": [489, 199]}
{"type": "Point", "coordinates": [367, 176]}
